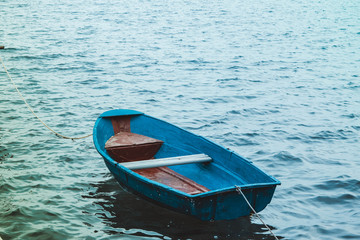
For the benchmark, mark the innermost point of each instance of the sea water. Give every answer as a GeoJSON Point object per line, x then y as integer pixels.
{"type": "Point", "coordinates": [276, 81]}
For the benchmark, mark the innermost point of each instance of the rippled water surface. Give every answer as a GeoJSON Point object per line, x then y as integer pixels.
{"type": "Point", "coordinates": [276, 81]}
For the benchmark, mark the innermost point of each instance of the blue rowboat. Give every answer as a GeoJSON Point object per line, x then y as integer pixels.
{"type": "Point", "coordinates": [178, 169]}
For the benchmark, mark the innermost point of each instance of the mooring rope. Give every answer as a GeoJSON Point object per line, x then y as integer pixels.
{"type": "Point", "coordinates": [238, 189]}
{"type": "Point", "coordinates": [33, 112]}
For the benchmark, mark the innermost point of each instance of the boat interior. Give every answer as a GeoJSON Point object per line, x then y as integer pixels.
{"type": "Point", "coordinates": [126, 147]}
{"type": "Point", "coordinates": [171, 160]}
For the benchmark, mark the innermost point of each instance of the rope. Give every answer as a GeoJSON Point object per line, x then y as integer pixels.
{"type": "Point", "coordinates": [29, 107]}
{"type": "Point", "coordinates": [238, 189]}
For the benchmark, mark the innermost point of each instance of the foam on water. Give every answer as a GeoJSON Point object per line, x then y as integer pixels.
{"type": "Point", "coordinates": [276, 81]}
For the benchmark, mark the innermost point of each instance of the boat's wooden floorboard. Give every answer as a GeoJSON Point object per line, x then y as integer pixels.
{"type": "Point", "coordinates": [172, 179]}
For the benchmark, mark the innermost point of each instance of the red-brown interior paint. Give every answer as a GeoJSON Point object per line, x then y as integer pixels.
{"type": "Point", "coordinates": [125, 146]}
{"type": "Point", "coordinates": [172, 179]}
{"type": "Point", "coordinates": [121, 124]}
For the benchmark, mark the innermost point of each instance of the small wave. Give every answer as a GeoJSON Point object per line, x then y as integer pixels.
{"type": "Point", "coordinates": [331, 200]}
{"type": "Point", "coordinates": [301, 137]}
{"type": "Point", "coordinates": [353, 85]}
{"type": "Point", "coordinates": [238, 67]}
{"type": "Point", "coordinates": [351, 116]}
{"type": "Point", "coordinates": [27, 212]}
{"type": "Point", "coordinates": [45, 233]}
{"type": "Point", "coordinates": [13, 212]}
{"type": "Point", "coordinates": [152, 100]}
{"type": "Point", "coordinates": [4, 154]}
{"type": "Point", "coordinates": [146, 91]}
{"type": "Point", "coordinates": [199, 127]}
{"type": "Point", "coordinates": [252, 111]}
{"type": "Point", "coordinates": [217, 100]}
{"type": "Point", "coordinates": [227, 79]}
{"type": "Point", "coordinates": [138, 65]}
{"type": "Point", "coordinates": [244, 142]}
{"type": "Point", "coordinates": [350, 184]}
{"type": "Point", "coordinates": [357, 128]}
{"type": "Point", "coordinates": [24, 57]}
{"type": "Point", "coordinates": [252, 134]}
{"type": "Point", "coordinates": [6, 187]}
{"type": "Point", "coordinates": [245, 97]}
{"type": "Point", "coordinates": [332, 135]}
{"type": "Point", "coordinates": [259, 111]}
{"type": "Point", "coordinates": [199, 61]}
{"type": "Point", "coordinates": [286, 157]}
{"type": "Point", "coordinates": [217, 122]}
{"type": "Point", "coordinates": [234, 112]}
{"type": "Point", "coordinates": [39, 57]}
{"type": "Point", "coordinates": [263, 63]}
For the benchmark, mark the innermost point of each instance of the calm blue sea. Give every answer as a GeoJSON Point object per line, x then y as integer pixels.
{"type": "Point", "coordinates": [276, 81]}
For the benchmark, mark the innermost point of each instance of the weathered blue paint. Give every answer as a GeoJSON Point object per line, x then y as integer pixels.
{"type": "Point", "coordinates": [220, 176]}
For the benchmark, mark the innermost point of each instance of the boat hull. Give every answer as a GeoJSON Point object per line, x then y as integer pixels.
{"type": "Point", "coordinates": [228, 204]}
{"type": "Point", "coordinates": [218, 203]}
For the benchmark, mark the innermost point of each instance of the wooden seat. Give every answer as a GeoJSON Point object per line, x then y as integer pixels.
{"type": "Point", "coordinates": [154, 169]}
{"type": "Point", "coordinates": [161, 162]}
{"type": "Point", "coordinates": [128, 146]}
